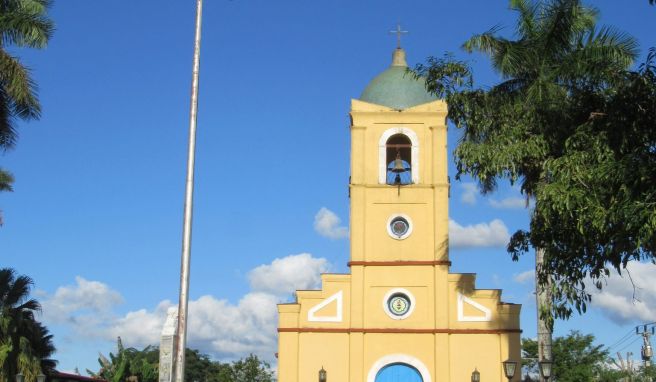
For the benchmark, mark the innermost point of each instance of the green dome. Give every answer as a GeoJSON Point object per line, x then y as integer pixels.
{"type": "Point", "coordinates": [395, 87]}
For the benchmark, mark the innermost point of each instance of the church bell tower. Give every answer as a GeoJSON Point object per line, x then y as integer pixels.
{"type": "Point", "coordinates": [399, 316]}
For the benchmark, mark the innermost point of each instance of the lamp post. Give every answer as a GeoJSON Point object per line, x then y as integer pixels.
{"type": "Point", "coordinates": [20, 377]}
{"type": "Point", "coordinates": [323, 375]}
{"type": "Point", "coordinates": [476, 376]}
{"type": "Point", "coordinates": [41, 377]}
{"type": "Point", "coordinates": [509, 369]}
{"type": "Point", "coordinates": [545, 369]}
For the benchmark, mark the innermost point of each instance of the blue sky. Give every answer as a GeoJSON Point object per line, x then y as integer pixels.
{"type": "Point", "coordinates": [96, 215]}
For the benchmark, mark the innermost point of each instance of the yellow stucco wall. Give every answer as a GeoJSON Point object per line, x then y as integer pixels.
{"type": "Point", "coordinates": [345, 327]}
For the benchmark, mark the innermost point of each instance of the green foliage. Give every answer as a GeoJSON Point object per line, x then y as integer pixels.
{"type": "Point", "coordinates": [6, 179]}
{"type": "Point", "coordinates": [25, 344]}
{"type": "Point", "coordinates": [575, 357]}
{"type": "Point", "coordinates": [23, 23]}
{"type": "Point", "coordinates": [130, 364]}
{"type": "Point", "coordinates": [574, 128]}
{"type": "Point", "coordinates": [251, 369]}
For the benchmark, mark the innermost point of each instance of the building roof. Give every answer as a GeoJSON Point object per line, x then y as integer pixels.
{"type": "Point", "coordinates": [396, 87]}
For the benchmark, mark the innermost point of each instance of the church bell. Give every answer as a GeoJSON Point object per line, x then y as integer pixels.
{"type": "Point", "coordinates": [398, 164]}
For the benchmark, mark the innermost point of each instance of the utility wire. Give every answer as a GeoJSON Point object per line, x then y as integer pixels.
{"type": "Point", "coordinates": [630, 343]}
{"type": "Point", "coordinates": [624, 338]}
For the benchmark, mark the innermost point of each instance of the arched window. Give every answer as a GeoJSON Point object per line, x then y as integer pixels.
{"type": "Point", "coordinates": [398, 154]}
{"type": "Point", "coordinates": [401, 142]}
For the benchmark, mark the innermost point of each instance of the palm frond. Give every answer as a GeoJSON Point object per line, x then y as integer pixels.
{"type": "Point", "coordinates": [512, 86]}
{"type": "Point", "coordinates": [8, 133]}
{"type": "Point", "coordinates": [486, 42]}
{"type": "Point", "coordinates": [7, 276]}
{"type": "Point", "coordinates": [19, 87]}
{"type": "Point", "coordinates": [613, 45]}
{"type": "Point", "coordinates": [600, 57]}
{"type": "Point", "coordinates": [6, 180]}
{"type": "Point", "coordinates": [17, 292]}
{"type": "Point", "coordinates": [562, 21]}
{"type": "Point", "coordinates": [25, 23]}
{"type": "Point", "coordinates": [527, 24]}
{"type": "Point", "coordinates": [507, 56]}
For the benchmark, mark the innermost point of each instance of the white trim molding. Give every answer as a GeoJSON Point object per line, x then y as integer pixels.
{"type": "Point", "coordinates": [401, 359]}
{"type": "Point", "coordinates": [389, 226]}
{"type": "Point", "coordinates": [382, 153]}
{"type": "Point", "coordinates": [392, 292]}
{"type": "Point", "coordinates": [461, 315]}
{"type": "Point", "coordinates": [338, 298]}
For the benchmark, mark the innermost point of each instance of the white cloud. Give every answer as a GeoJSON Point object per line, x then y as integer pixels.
{"type": "Point", "coordinates": [92, 297]}
{"type": "Point", "coordinates": [216, 326]}
{"type": "Point", "coordinates": [326, 223]}
{"type": "Point", "coordinates": [284, 276]}
{"type": "Point", "coordinates": [524, 277]}
{"type": "Point", "coordinates": [492, 234]}
{"type": "Point", "coordinates": [469, 191]}
{"type": "Point", "coordinates": [514, 202]}
{"type": "Point", "coordinates": [616, 299]}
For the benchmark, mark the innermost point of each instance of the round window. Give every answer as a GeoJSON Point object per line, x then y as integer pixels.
{"type": "Point", "coordinates": [398, 304]}
{"type": "Point", "coordinates": [399, 226]}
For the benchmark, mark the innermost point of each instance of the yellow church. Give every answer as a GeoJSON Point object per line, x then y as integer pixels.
{"type": "Point", "coordinates": [399, 316]}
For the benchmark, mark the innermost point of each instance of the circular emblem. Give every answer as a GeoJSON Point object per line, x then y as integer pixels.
{"type": "Point", "coordinates": [398, 304]}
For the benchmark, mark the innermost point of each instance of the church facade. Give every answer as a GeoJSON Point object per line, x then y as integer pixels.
{"type": "Point", "coordinates": [399, 315]}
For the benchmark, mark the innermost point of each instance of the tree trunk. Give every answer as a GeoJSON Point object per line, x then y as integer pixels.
{"type": "Point", "coordinates": [543, 299]}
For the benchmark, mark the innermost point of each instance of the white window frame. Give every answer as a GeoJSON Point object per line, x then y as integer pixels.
{"type": "Point", "coordinates": [402, 359]}
{"type": "Point", "coordinates": [389, 226]}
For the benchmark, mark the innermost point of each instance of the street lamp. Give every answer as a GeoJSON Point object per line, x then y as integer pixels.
{"type": "Point", "coordinates": [323, 375]}
{"type": "Point", "coordinates": [41, 377]}
{"type": "Point", "coordinates": [476, 376]}
{"type": "Point", "coordinates": [545, 369]}
{"type": "Point", "coordinates": [509, 368]}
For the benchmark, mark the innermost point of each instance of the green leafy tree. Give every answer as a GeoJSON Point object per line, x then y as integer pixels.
{"type": "Point", "coordinates": [114, 368]}
{"type": "Point", "coordinates": [598, 210]}
{"type": "Point", "coordinates": [133, 365]}
{"type": "Point", "coordinates": [200, 368]}
{"type": "Point", "coordinates": [251, 369]}
{"type": "Point", "coordinates": [518, 129]}
{"type": "Point", "coordinates": [25, 344]}
{"type": "Point", "coordinates": [575, 357]}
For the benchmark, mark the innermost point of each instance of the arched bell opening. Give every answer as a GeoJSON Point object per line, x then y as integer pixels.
{"type": "Point", "coordinates": [398, 150]}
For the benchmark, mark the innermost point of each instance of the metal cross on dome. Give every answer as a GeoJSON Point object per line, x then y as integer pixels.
{"type": "Point", "coordinates": [398, 33]}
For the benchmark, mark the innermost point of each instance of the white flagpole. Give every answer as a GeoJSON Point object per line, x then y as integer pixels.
{"type": "Point", "coordinates": [188, 208]}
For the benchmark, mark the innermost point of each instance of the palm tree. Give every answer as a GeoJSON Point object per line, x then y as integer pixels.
{"type": "Point", "coordinates": [25, 344]}
{"type": "Point", "coordinates": [23, 23]}
{"type": "Point", "coordinates": [514, 128]}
